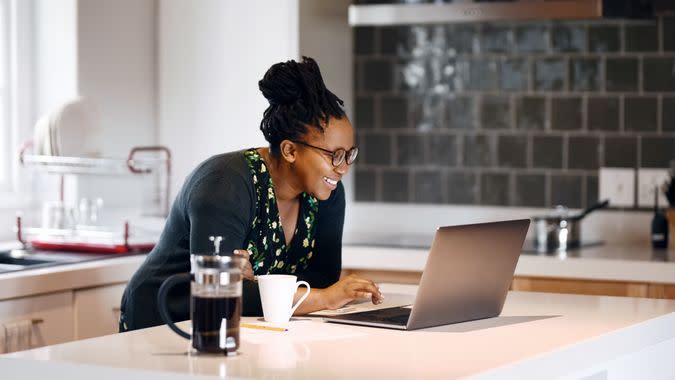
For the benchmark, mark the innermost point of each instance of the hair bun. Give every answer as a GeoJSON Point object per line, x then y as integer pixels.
{"type": "Point", "coordinates": [282, 83]}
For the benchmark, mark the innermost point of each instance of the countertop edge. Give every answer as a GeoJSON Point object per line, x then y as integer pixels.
{"type": "Point", "coordinates": [68, 276]}
{"type": "Point", "coordinates": [600, 269]}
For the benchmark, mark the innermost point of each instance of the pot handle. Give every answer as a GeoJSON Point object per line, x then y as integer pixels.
{"type": "Point", "coordinates": [596, 206]}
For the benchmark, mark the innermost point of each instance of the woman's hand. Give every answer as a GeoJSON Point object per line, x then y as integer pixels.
{"type": "Point", "coordinates": [247, 271]}
{"type": "Point", "coordinates": [350, 288]}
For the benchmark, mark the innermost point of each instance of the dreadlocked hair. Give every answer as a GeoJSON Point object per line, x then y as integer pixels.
{"type": "Point", "coordinates": [298, 99]}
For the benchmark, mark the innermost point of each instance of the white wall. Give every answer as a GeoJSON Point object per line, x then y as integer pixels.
{"type": "Point", "coordinates": [116, 68]}
{"type": "Point", "coordinates": [117, 72]}
{"type": "Point", "coordinates": [102, 49]}
{"type": "Point", "coordinates": [211, 56]}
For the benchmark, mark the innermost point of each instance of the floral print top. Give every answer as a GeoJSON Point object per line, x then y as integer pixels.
{"type": "Point", "coordinates": [266, 242]}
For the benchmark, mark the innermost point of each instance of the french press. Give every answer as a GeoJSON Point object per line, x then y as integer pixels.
{"type": "Point", "coordinates": [215, 300]}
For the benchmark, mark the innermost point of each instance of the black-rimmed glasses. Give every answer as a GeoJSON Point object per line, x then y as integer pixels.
{"type": "Point", "coordinates": [339, 155]}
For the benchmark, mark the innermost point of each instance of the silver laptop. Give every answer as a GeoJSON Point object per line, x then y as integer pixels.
{"type": "Point", "coordinates": [466, 277]}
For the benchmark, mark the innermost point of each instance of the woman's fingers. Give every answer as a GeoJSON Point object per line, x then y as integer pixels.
{"type": "Point", "coordinates": [366, 289]}
{"type": "Point", "coordinates": [247, 270]}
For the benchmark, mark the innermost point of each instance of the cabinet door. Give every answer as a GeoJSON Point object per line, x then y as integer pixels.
{"type": "Point", "coordinates": [36, 321]}
{"type": "Point", "coordinates": [97, 311]}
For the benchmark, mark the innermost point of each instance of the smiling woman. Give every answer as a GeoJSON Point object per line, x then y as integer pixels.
{"type": "Point", "coordinates": [282, 206]}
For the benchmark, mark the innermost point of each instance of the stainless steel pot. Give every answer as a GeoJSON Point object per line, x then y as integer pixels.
{"type": "Point", "coordinates": [560, 229]}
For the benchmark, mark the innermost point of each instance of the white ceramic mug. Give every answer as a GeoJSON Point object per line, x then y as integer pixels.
{"type": "Point", "coordinates": [276, 295]}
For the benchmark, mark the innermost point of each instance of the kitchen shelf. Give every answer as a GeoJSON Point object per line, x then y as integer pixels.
{"type": "Point", "coordinates": [90, 239]}
{"type": "Point", "coordinates": [134, 163]}
{"type": "Point", "coordinates": [80, 165]}
{"type": "Point", "coordinates": [141, 160]}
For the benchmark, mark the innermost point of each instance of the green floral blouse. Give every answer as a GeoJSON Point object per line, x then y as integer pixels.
{"type": "Point", "coordinates": [266, 242]}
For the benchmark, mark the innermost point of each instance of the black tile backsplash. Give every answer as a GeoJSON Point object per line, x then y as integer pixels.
{"type": "Point", "coordinates": [494, 189]}
{"type": "Point", "coordinates": [512, 151]}
{"type": "Point", "coordinates": [569, 38]}
{"type": "Point", "coordinates": [641, 38]}
{"type": "Point", "coordinates": [566, 114]}
{"type": "Point", "coordinates": [620, 152]}
{"type": "Point", "coordinates": [549, 74]}
{"type": "Point", "coordinates": [567, 190]}
{"type": "Point", "coordinates": [428, 186]}
{"type": "Point", "coordinates": [364, 40]}
{"type": "Point", "coordinates": [393, 111]}
{"type": "Point", "coordinates": [583, 152]}
{"type": "Point", "coordinates": [410, 149]}
{"type": "Point", "coordinates": [657, 152]}
{"type": "Point", "coordinates": [621, 74]}
{"type": "Point", "coordinates": [495, 111]}
{"type": "Point", "coordinates": [668, 114]}
{"type": "Point", "coordinates": [531, 113]}
{"type": "Point", "coordinates": [659, 74]}
{"type": "Point", "coordinates": [585, 74]}
{"type": "Point", "coordinates": [364, 112]}
{"type": "Point", "coordinates": [376, 149]}
{"type": "Point", "coordinates": [669, 34]}
{"type": "Point", "coordinates": [496, 39]}
{"type": "Point", "coordinates": [460, 112]}
{"type": "Point", "coordinates": [514, 74]}
{"type": "Point", "coordinates": [395, 187]}
{"type": "Point", "coordinates": [443, 150]}
{"type": "Point", "coordinates": [377, 75]}
{"type": "Point", "coordinates": [532, 38]}
{"type": "Point", "coordinates": [603, 38]}
{"type": "Point", "coordinates": [640, 114]}
{"type": "Point", "coordinates": [366, 190]}
{"type": "Point", "coordinates": [478, 150]}
{"type": "Point", "coordinates": [602, 113]}
{"type": "Point", "coordinates": [530, 190]}
{"type": "Point", "coordinates": [547, 152]}
{"type": "Point", "coordinates": [510, 114]}
{"type": "Point", "coordinates": [462, 188]}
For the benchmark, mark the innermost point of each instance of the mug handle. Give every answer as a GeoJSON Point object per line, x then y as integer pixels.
{"type": "Point", "coordinates": [304, 296]}
{"type": "Point", "coordinates": [167, 285]}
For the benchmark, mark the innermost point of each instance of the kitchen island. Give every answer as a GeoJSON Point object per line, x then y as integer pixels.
{"type": "Point", "coordinates": [537, 336]}
{"type": "Point", "coordinates": [81, 300]}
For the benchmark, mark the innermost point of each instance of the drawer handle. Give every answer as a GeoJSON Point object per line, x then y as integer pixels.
{"type": "Point", "coordinates": [116, 309]}
{"type": "Point", "coordinates": [36, 321]}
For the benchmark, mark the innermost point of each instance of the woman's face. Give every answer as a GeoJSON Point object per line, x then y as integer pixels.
{"type": "Point", "coordinates": [314, 167]}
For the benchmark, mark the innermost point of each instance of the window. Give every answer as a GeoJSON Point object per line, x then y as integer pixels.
{"type": "Point", "coordinates": [5, 117]}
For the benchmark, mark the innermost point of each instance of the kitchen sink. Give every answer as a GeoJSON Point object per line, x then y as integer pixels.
{"type": "Point", "coordinates": [19, 259]}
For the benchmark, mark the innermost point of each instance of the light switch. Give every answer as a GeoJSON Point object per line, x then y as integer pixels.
{"type": "Point", "coordinates": [647, 180]}
{"type": "Point", "coordinates": [617, 185]}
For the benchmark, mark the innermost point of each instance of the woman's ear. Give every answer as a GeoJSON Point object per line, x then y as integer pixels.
{"type": "Point", "coordinates": [289, 151]}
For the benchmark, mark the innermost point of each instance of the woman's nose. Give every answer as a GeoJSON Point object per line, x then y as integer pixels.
{"type": "Point", "coordinates": [343, 168]}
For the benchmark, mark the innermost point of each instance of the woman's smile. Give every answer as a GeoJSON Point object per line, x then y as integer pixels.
{"type": "Point", "coordinates": [331, 183]}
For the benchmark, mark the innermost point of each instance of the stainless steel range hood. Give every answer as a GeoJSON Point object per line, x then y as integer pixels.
{"type": "Point", "coordinates": [466, 11]}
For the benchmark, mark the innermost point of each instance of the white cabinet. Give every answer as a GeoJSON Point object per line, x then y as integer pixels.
{"type": "Point", "coordinates": [96, 310]}
{"type": "Point", "coordinates": [36, 321]}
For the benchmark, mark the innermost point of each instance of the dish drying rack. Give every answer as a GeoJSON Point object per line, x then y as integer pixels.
{"type": "Point", "coordinates": [95, 239]}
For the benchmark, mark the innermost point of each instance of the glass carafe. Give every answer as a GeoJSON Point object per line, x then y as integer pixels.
{"type": "Point", "coordinates": [215, 302]}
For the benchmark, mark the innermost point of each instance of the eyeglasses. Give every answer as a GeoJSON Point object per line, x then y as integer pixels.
{"type": "Point", "coordinates": [339, 156]}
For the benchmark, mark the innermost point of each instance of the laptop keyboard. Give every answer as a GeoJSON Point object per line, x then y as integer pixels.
{"type": "Point", "coordinates": [393, 315]}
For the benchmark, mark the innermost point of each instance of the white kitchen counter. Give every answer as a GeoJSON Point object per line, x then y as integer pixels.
{"type": "Point", "coordinates": [107, 270]}
{"type": "Point", "coordinates": [606, 262]}
{"type": "Point", "coordinates": [537, 336]}
{"type": "Point", "coordinates": [629, 263]}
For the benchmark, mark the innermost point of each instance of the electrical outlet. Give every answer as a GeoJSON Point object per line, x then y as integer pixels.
{"type": "Point", "coordinates": [617, 185]}
{"type": "Point", "coordinates": [647, 180]}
